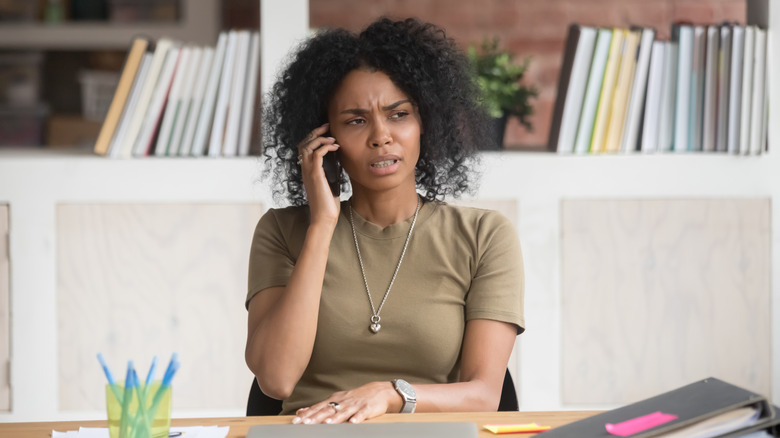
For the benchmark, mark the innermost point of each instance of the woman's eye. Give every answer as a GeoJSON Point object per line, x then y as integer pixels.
{"type": "Point", "coordinates": [399, 114]}
{"type": "Point", "coordinates": [356, 122]}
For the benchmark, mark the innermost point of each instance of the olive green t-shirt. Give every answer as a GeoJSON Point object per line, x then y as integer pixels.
{"type": "Point", "coordinates": [461, 264]}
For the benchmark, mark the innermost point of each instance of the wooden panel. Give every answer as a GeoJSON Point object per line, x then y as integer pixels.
{"type": "Point", "coordinates": [660, 293]}
{"type": "Point", "coordinates": [5, 322]}
{"type": "Point", "coordinates": [135, 281]}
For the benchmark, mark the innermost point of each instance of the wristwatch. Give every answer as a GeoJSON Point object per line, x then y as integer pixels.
{"type": "Point", "coordinates": [407, 393]}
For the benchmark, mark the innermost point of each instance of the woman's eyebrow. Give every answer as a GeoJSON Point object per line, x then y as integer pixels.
{"type": "Point", "coordinates": [384, 108]}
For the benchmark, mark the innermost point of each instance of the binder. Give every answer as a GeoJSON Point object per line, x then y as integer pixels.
{"type": "Point", "coordinates": [690, 404]}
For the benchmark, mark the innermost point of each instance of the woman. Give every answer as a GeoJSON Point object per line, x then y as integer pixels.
{"type": "Point", "coordinates": [389, 301]}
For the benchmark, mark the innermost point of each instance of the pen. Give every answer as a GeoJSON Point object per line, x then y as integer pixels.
{"type": "Point", "coordinates": [110, 377]}
{"type": "Point", "coordinates": [150, 375]}
{"type": "Point", "coordinates": [127, 396]}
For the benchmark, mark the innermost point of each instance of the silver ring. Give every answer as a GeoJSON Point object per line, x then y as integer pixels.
{"type": "Point", "coordinates": [300, 159]}
{"type": "Point", "coordinates": [336, 407]}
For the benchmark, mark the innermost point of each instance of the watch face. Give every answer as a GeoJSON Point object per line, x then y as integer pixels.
{"type": "Point", "coordinates": [404, 387]}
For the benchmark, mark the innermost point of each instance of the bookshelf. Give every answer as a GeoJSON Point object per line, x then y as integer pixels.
{"type": "Point", "coordinates": [33, 183]}
{"type": "Point", "coordinates": [197, 25]}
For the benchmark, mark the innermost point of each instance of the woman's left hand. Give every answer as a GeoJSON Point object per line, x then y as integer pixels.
{"type": "Point", "coordinates": [356, 405]}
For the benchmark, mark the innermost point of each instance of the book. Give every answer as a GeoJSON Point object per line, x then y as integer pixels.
{"type": "Point", "coordinates": [668, 99]}
{"type": "Point", "coordinates": [607, 90]}
{"type": "Point", "coordinates": [735, 88]}
{"type": "Point", "coordinates": [196, 103]}
{"type": "Point", "coordinates": [683, 35]}
{"type": "Point", "coordinates": [652, 111]}
{"type": "Point", "coordinates": [724, 71]}
{"type": "Point", "coordinates": [636, 100]}
{"type": "Point", "coordinates": [592, 91]}
{"type": "Point", "coordinates": [172, 108]}
{"type": "Point", "coordinates": [696, 105]}
{"type": "Point", "coordinates": [153, 114]}
{"type": "Point", "coordinates": [571, 87]}
{"type": "Point", "coordinates": [185, 101]}
{"type": "Point", "coordinates": [206, 117]}
{"type": "Point", "coordinates": [713, 405]}
{"type": "Point", "coordinates": [121, 95]}
{"type": "Point", "coordinates": [223, 97]}
{"type": "Point", "coordinates": [137, 117]}
{"type": "Point", "coordinates": [757, 119]}
{"type": "Point", "coordinates": [709, 116]}
{"type": "Point", "coordinates": [747, 89]}
{"type": "Point", "coordinates": [625, 80]}
{"type": "Point", "coordinates": [138, 84]}
{"type": "Point", "coordinates": [237, 92]}
{"type": "Point", "coordinates": [247, 113]}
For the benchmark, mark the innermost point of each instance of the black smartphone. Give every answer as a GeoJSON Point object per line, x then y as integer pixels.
{"type": "Point", "coordinates": [332, 167]}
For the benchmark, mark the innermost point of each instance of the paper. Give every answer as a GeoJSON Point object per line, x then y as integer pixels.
{"type": "Point", "coordinates": [186, 432]}
{"type": "Point", "coordinates": [516, 428]}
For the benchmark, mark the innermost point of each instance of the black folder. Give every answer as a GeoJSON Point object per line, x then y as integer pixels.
{"type": "Point", "coordinates": [691, 404]}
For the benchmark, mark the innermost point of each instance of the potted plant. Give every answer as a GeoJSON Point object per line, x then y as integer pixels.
{"type": "Point", "coordinates": [499, 78]}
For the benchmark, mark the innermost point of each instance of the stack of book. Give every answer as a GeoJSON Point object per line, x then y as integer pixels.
{"type": "Point", "coordinates": [623, 90]}
{"type": "Point", "coordinates": [178, 99]}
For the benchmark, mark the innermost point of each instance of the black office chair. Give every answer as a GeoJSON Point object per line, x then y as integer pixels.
{"type": "Point", "coordinates": [261, 404]}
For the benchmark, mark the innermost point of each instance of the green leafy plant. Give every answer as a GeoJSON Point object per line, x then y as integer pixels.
{"type": "Point", "coordinates": [499, 78]}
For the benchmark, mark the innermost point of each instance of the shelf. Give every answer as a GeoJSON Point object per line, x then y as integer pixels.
{"type": "Point", "coordinates": [198, 25]}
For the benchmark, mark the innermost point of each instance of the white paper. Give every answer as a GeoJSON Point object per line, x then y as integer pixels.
{"type": "Point", "coordinates": [186, 432]}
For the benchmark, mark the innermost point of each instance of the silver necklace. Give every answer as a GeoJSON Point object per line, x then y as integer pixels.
{"type": "Point", "coordinates": [375, 318]}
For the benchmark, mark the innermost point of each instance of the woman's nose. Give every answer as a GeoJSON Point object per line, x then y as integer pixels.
{"type": "Point", "coordinates": [381, 135]}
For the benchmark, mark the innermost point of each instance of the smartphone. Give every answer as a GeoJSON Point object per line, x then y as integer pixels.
{"type": "Point", "coordinates": [332, 167]}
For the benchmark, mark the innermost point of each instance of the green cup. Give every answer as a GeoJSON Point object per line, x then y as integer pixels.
{"type": "Point", "coordinates": [140, 421]}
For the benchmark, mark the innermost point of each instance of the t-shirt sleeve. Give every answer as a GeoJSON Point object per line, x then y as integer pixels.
{"type": "Point", "coordinates": [497, 288]}
{"type": "Point", "coordinates": [270, 260]}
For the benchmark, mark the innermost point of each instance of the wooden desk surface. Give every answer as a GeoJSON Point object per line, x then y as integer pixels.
{"type": "Point", "coordinates": [240, 425]}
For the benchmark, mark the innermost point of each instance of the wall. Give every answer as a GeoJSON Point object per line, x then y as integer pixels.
{"type": "Point", "coordinates": [529, 28]}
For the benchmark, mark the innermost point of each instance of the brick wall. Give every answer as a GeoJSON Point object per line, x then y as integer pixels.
{"type": "Point", "coordinates": [529, 28]}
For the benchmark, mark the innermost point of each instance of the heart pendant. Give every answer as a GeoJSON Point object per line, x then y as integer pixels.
{"type": "Point", "coordinates": [375, 327]}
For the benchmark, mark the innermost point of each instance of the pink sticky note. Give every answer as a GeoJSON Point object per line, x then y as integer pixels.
{"type": "Point", "coordinates": [639, 424]}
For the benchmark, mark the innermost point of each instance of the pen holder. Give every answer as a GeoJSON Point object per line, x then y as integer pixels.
{"type": "Point", "coordinates": [127, 418]}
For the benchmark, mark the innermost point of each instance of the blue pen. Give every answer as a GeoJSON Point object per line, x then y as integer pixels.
{"type": "Point", "coordinates": [150, 375]}
{"type": "Point", "coordinates": [126, 398]}
{"type": "Point", "coordinates": [110, 377]}
{"type": "Point", "coordinates": [173, 366]}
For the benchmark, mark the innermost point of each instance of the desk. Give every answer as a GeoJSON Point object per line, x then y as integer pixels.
{"type": "Point", "coordinates": [240, 425]}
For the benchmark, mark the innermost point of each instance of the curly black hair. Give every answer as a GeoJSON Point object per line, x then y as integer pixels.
{"type": "Point", "coordinates": [420, 60]}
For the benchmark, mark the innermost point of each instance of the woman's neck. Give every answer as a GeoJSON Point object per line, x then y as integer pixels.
{"type": "Point", "coordinates": [385, 209]}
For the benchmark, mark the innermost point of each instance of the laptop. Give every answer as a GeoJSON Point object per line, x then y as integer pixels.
{"type": "Point", "coordinates": [373, 430]}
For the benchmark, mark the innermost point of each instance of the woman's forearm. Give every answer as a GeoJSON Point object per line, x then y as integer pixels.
{"type": "Point", "coordinates": [282, 333]}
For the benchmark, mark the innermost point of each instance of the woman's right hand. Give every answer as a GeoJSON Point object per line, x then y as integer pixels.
{"type": "Point", "coordinates": [323, 206]}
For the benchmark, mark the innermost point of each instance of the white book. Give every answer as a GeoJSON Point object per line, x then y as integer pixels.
{"type": "Point", "coordinates": [206, 115]}
{"type": "Point", "coordinates": [747, 90]}
{"type": "Point", "coordinates": [735, 87]}
{"type": "Point", "coordinates": [709, 118]}
{"type": "Point", "coordinates": [160, 54]}
{"type": "Point", "coordinates": [655, 82]}
{"type": "Point", "coordinates": [695, 120]}
{"type": "Point", "coordinates": [237, 92]}
{"type": "Point", "coordinates": [197, 101]}
{"type": "Point", "coordinates": [668, 99]}
{"type": "Point", "coordinates": [636, 100]}
{"type": "Point", "coordinates": [223, 97]}
{"type": "Point", "coordinates": [724, 81]}
{"type": "Point", "coordinates": [592, 91]}
{"type": "Point", "coordinates": [683, 99]}
{"type": "Point", "coordinates": [130, 108]}
{"type": "Point", "coordinates": [173, 103]}
{"type": "Point", "coordinates": [185, 98]}
{"type": "Point", "coordinates": [143, 142]}
{"type": "Point", "coordinates": [576, 89]}
{"type": "Point", "coordinates": [247, 113]}
{"type": "Point", "coordinates": [757, 124]}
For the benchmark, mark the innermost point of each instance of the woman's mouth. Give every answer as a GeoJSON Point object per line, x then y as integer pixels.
{"type": "Point", "coordinates": [384, 163]}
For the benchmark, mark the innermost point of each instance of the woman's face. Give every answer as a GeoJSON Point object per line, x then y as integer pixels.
{"type": "Point", "coordinates": [378, 128]}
